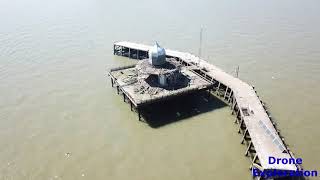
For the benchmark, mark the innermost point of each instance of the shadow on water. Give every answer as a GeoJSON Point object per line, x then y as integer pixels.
{"type": "Point", "coordinates": [180, 108]}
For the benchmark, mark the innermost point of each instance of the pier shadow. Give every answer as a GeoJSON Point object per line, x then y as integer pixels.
{"type": "Point", "coordinates": [180, 108]}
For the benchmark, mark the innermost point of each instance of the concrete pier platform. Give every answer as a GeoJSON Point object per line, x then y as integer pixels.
{"type": "Point", "coordinates": [146, 94]}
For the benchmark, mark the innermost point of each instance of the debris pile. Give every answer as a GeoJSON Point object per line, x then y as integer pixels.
{"type": "Point", "coordinates": [142, 87]}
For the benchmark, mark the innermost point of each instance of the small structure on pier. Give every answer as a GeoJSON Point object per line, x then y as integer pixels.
{"type": "Point", "coordinates": [157, 55]}
{"type": "Point", "coordinates": [167, 76]}
{"type": "Point", "coordinates": [159, 71]}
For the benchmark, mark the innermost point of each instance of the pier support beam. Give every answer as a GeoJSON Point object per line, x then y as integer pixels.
{"type": "Point", "coordinates": [254, 158]}
{"type": "Point", "coordinates": [233, 105]}
{"type": "Point", "coordinates": [118, 91]}
{"type": "Point", "coordinates": [244, 136]}
{"type": "Point", "coordinates": [237, 114]}
{"type": "Point", "coordinates": [217, 90]}
{"type": "Point", "coordinates": [138, 54]}
{"type": "Point", "coordinates": [225, 93]}
{"type": "Point", "coordinates": [209, 94]}
{"type": "Point", "coordinates": [248, 149]}
{"type": "Point", "coordinates": [139, 114]}
{"type": "Point", "coordinates": [230, 96]}
{"type": "Point", "coordinates": [240, 125]}
{"type": "Point", "coordinates": [129, 53]}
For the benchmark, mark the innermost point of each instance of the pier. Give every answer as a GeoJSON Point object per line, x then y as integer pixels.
{"type": "Point", "coordinates": [258, 130]}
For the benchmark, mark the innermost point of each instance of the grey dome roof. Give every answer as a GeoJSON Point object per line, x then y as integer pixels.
{"type": "Point", "coordinates": [157, 55]}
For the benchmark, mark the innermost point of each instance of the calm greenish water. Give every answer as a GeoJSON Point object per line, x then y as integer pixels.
{"type": "Point", "coordinates": [56, 99]}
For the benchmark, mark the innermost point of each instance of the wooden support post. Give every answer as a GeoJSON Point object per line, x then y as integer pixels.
{"type": "Point", "coordinates": [237, 116]}
{"type": "Point", "coordinates": [118, 89]}
{"type": "Point", "coordinates": [225, 93]}
{"type": "Point", "coordinates": [114, 49]}
{"type": "Point", "coordinates": [233, 104]}
{"type": "Point", "coordinates": [240, 125]}
{"type": "Point", "coordinates": [124, 97]}
{"type": "Point", "coordinates": [236, 120]}
{"type": "Point", "coordinates": [111, 82]}
{"type": "Point", "coordinates": [230, 96]}
{"type": "Point", "coordinates": [129, 55]}
{"type": "Point", "coordinates": [244, 136]}
{"type": "Point", "coordinates": [248, 149]}
{"type": "Point", "coordinates": [217, 90]}
{"type": "Point", "coordinates": [254, 158]}
{"type": "Point", "coordinates": [139, 115]}
{"type": "Point", "coordinates": [138, 54]}
{"type": "Point", "coordinates": [130, 105]}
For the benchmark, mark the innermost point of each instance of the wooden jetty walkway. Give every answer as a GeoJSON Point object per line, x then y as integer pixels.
{"type": "Point", "coordinates": [258, 130]}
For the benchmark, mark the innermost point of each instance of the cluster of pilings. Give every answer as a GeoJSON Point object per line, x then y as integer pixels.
{"type": "Point", "coordinates": [126, 97]}
{"type": "Point", "coordinates": [245, 139]}
{"type": "Point", "coordinates": [138, 107]}
{"type": "Point", "coordinates": [225, 94]}
{"type": "Point", "coordinates": [274, 123]}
